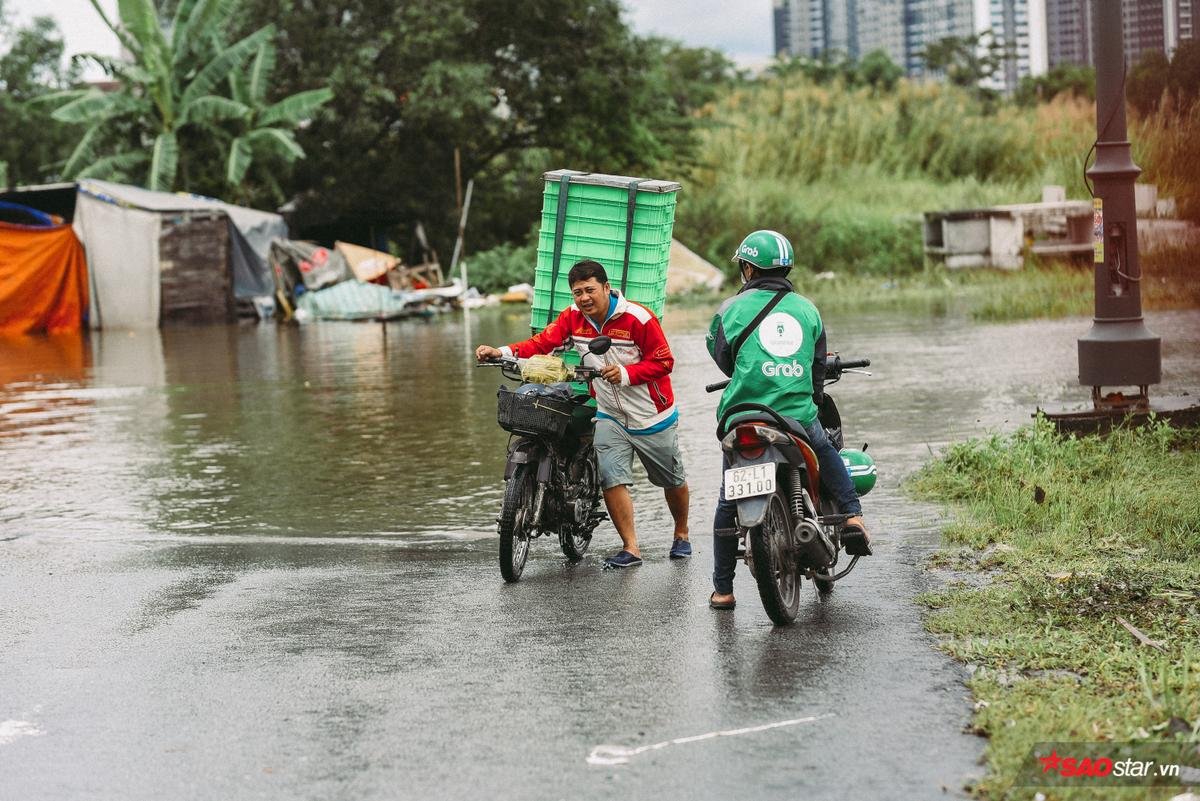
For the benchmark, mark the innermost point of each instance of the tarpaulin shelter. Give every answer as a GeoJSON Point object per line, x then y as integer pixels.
{"type": "Point", "coordinates": [157, 256]}
{"type": "Point", "coordinates": [43, 280]}
{"type": "Point", "coordinates": [296, 263]}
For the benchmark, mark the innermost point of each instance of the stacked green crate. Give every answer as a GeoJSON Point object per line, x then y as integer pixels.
{"type": "Point", "coordinates": [595, 225]}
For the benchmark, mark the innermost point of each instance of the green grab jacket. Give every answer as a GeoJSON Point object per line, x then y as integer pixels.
{"type": "Point", "coordinates": [782, 363]}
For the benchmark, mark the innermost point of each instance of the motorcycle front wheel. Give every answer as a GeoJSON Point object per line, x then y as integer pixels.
{"type": "Point", "coordinates": [584, 478]}
{"type": "Point", "coordinates": [775, 569]}
{"type": "Point", "coordinates": [515, 523]}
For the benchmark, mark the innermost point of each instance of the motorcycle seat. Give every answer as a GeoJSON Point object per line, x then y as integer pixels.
{"type": "Point", "coordinates": [794, 427]}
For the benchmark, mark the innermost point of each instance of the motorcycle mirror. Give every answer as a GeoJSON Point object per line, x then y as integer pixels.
{"type": "Point", "coordinates": [600, 345]}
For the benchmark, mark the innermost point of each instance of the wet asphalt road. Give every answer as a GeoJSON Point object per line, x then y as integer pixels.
{"type": "Point", "coordinates": [358, 652]}
{"type": "Point", "coordinates": [387, 673]}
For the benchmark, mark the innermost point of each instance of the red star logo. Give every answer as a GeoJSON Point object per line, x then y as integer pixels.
{"type": "Point", "coordinates": [1050, 763]}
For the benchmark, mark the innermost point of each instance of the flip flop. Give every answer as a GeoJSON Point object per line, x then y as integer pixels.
{"type": "Point", "coordinates": [855, 540]}
{"type": "Point", "coordinates": [720, 604]}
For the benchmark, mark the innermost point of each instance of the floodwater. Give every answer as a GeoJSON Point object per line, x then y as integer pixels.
{"type": "Point", "coordinates": [259, 560]}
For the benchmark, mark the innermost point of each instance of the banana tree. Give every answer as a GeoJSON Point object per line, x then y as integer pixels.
{"type": "Point", "coordinates": [267, 129]}
{"type": "Point", "coordinates": [172, 84]}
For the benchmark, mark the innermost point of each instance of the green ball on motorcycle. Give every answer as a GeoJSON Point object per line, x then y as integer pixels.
{"type": "Point", "coordinates": [862, 469]}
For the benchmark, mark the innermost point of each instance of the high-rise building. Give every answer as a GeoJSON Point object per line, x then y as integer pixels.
{"type": "Point", "coordinates": [927, 22]}
{"type": "Point", "coordinates": [880, 26]}
{"type": "Point", "coordinates": [800, 28]}
{"type": "Point", "coordinates": [1068, 32]}
{"type": "Point", "coordinates": [1145, 27]}
{"type": "Point", "coordinates": [1148, 25]}
{"type": "Point", "coordinates": [1189, 19]}
{"type": "Point", "coordinates": [782, 43]}
{"type": "Point", "coordinates": [905, 28]}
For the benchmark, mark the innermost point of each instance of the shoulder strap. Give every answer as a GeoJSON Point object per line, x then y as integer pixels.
{"type": "Point", "coordinates": [757, 321]}
{"type": "Point", "coordinates": [630, 208]}
{"type": "Point", "coordinates": [560, 219]}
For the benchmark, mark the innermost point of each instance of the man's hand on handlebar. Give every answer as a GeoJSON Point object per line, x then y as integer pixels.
{"type": "Point", "coordinates": [611, 374]}
{"type": "Point", "coordinates": [486, 353]}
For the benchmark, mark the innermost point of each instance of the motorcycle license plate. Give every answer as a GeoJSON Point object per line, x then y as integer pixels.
{"type": "Point", "coordinates": [747, 482]}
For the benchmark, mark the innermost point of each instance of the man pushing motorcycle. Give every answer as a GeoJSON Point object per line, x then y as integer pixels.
{"type": "Point", "coordinates": [771, 343]}
{"type": "Point", "coordinates": [635, 409]}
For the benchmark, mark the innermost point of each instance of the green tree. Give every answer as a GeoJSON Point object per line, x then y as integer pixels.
{"type": "Point", "coordinates": [518, 87]}
{"type": "Point", "coordinates": [1184, 75]}
{"type": "Point", "coordinates": [1071, 79]}
{"type": "Point", "coordinates": [171, 90]}
{"type": "Point", "coordinates": [877, 69]}
{"type": "Point", "coordinates": [31, 59]}
{"type": "Point", "coordinates": [265, 133]}
{"type": "Point", "coordinates": [1146, 82]}
{"type": "Point", "coordinates": [829, 66]}
{"type": "Point", "coordinates": [969, 61]}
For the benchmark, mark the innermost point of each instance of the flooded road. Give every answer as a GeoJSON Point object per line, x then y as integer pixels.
{"type": "Point", "coordinates": [259, 561]}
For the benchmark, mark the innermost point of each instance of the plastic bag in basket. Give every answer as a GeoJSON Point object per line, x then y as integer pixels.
{"type": "Point", "coordinates": [544, 370]}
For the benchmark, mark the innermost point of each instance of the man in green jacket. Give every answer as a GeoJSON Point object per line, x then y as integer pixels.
{"type": "Point", "coordinates": [779, 363]}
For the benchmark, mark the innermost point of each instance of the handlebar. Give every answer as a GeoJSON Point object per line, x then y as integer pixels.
{"type": "Point", "coordinates": [510, 366]}
{"type": "Point", "coordinates": [834, 367]}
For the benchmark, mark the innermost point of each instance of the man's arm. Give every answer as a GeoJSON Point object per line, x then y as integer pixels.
{"type": "Point", "coordinates": [549, 339]}
{"type": "Point", "coordinates": [818, 367]}
{"type": "Point", "coordinates": [657, 360]}
{"type": "Point", "coordinates": [718, 345]}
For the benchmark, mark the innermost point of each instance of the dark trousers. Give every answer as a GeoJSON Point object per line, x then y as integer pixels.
{"type": "Point", "coordinates": [835, 480]}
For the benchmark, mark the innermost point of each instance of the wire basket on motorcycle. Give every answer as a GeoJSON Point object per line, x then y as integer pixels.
{"type": "Point", "coordinates": [535, 410]}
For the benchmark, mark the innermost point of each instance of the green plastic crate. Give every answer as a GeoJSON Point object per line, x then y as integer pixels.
{"type": "Point", "coordinates": [611, 230]}
{"type": "Point", "coordinates": [594, 226]}
{"type": "Point", "coordinates": [655, 205]}
{"type": "Point", "coordinates": [643, 259]}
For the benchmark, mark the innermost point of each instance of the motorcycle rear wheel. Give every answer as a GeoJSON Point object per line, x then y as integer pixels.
{"type": "Point", "coordinates": [775, 569]}
{"type": "Point", "coordinates": [514, 525]}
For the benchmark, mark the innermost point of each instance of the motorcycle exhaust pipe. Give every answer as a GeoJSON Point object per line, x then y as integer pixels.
{"type": "Point", "coordinates": [814, 546]}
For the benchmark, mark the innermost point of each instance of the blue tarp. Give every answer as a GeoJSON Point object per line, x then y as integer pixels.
{"type": "Point", "coordinates": [23, 215]}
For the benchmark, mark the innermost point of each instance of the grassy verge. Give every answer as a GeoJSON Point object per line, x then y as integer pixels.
{"type": "Point", "coordinates": [1070, 534]}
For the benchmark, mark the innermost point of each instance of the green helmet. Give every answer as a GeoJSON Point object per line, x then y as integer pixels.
{"type": "Point", "coordinates": [861, 468]}
{"type": "Point", "coordinates": [766, 250]}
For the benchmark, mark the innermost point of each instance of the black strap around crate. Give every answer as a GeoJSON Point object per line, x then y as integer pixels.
{"type": "Point", "coordinates": [630, 208]}
{"type": "Point", "coordinates": [560, 219]}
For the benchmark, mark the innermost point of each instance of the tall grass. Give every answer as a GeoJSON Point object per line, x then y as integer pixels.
{"type": "Point", "coordinates": [847, 172]}
{"type": "Point", "coordinates": [1166, 145]}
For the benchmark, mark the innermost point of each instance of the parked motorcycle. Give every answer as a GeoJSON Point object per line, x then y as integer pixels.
{"type": "Point", "coordinates": [790, 531]}
{"type": "Point", "coordinates": [551, 480]}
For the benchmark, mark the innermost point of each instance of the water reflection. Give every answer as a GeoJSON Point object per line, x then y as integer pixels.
{"type": "Point", "coordinates": [387, 433]}
{"type": "Point", "coordinates": [82, 417]}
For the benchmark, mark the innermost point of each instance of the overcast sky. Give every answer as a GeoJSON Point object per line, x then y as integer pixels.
{"type": "Point", "coordinates": [741, 29]}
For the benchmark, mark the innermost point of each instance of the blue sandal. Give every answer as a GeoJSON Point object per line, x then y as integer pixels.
{"type": "Point", "coordinates": [622, 559]}
{"type": "Point", "coordinates": [681, 549]}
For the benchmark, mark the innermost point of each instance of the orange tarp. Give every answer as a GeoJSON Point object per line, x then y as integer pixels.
{"type": "Point", "coordinates": [43, 280]}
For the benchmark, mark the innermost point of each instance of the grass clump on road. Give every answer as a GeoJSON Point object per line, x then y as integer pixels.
{"type": "Point", "coordinates": [1073, 535]}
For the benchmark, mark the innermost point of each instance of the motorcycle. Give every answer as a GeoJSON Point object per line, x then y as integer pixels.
{"type": "Point", "coordinates": [789, 530]}
{"type": "Point", "coordinates": [551, 479]}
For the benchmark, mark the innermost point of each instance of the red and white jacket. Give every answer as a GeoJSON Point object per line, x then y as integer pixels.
{"type": "Point", "coordinates": [644, 399]}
